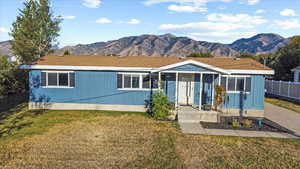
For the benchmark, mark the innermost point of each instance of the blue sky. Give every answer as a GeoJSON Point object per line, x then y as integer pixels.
{"type": "Point", "coordinates": [88, 21]}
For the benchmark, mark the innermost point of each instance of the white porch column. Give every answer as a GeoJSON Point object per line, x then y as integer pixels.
{"type": "Point", "coordinates": [200, 90]}
{"type": "Point", "coordinates": [159, 81]}
{"type": "Point", "coordinates": [176, 90]}
{"type": "Point", "coordinates": [213, 91]}
{"type": "Point", "coordinates": [219, 79]}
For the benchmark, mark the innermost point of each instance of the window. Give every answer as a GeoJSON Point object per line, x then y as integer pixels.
{"type": "Point", "coordinates": [57, 79]}
{"type": "Point", "coordinates": [236, 83]}
{"type": "Point", "coordinates": [146, 81]}
{"type": "Point", "coordinates": [231, 84]}
{"type": "Point", "coordinates": [137, 81]}
{"type": "Point", "coordinates": [224, 82]}
{"type": "Point", "coordinates": [127, 81]}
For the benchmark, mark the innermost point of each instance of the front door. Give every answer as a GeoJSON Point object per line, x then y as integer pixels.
{"type": "Point", "coordinates": [186, 89]}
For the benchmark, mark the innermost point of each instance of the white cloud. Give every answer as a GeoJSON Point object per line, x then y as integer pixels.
{"type": "Point", "coordinates": [288, 12]}
{"type": "Point", "coordinates": [185, 5]}
{"type": "Point", "coordinates": [133, 21]}
{"type": "Point", "coordinates": [260, 11]}
{"type": "Point", "coordinates": [218, 25]}
{"type": "Point", "coordinates": [186, 8]}
{"type": "Point", "coordinates": [253, 2]}
{"type": "Point", "coordinates": [103, 20]}
{"type": "Point", "coordinates": [234, 35]}
{"type": "Point", "coordinates": [68, 17]}
{"type": "Point", "coordinates": [245, 19]}
{"type": "Point", "coordinates": [287, 24]}
{"type": "Point", "coordinates": [91, 3]}
{"type": "Point", "coordinates": [201, 27]}
{"type": "Point", "coordinates": [3, 30]}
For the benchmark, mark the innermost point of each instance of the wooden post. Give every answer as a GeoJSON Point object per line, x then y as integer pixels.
{"type": "Point", "coordinates": [176, 92]}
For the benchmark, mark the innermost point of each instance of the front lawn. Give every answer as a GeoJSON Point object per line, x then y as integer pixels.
{"type": "Point", "coordinates": [105, 139]}
{"type": "Point", "coordinates": [285, 104]}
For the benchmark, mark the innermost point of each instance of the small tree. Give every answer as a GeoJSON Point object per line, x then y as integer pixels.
{"type": "Point", "coordinates": [161, 107]}
{"type": "Point", "coordinates": [66, 52]}
{"type": "Point", "coordinates": [219, 96]}
{"type": "Point", "coordinates": [200, 55]}
{"type": "Point", "coordinates": [35, 31]}
{"type": "Point", "coordinates": [245, 55]}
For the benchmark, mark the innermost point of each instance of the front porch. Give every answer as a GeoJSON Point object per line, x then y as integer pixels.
{"type": "Point", "coordinates": [189, 114]}
{"type": "Point", "coordinates": [195, 89]}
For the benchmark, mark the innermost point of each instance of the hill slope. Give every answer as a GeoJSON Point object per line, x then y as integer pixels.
{"type": "Point", "coordinates": [170, 45]}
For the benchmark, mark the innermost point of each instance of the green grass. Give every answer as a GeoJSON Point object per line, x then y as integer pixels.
{"type": "Point", "coordinates": [112, 139]}
{"type": "Point", "coordinates": [30, 122]}
{"type": "Point", "coordinates": [285, 104]}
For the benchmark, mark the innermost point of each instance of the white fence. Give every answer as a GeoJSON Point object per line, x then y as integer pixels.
{"type": "Point", "coordinates": [284, 89]}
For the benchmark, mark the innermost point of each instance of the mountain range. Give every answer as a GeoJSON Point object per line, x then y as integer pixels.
{"type": "Point", "coordinates": [170, 45]}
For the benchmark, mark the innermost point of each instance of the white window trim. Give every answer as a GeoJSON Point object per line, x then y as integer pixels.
{"type": "Point", "coordinates": [63, 87]}
{"type": "Point", "coordinates": [140, 82]}
{"type": "Point", "coordinates": [235, 87]}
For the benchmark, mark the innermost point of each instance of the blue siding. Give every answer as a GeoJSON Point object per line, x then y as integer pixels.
{"type": "Point", "coordinates": [97, 87]}
{"type": "Point", "coordinates": [197, 89]}
{"type": "Point", "coordinates": [170, 86]}
{"type": "Point", "coordinates": [93, 87]}
{"type": "Point", "coordinates": [253, 100]}
{"type": "Point", "coordinates": [189, 67]}
{"type": "Point", "coordinates": [207, 89]}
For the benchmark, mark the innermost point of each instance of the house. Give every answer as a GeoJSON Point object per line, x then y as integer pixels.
{"type": "Point", "coordinates": [296, 72]}
{"type": "Point", "coordinates": [127, 83]}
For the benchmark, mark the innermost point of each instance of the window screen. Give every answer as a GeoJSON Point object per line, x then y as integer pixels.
{"type": "Point", "coordinates": [135, 81]}
{"type": "Point", "coordinates": [146, 81]}
{"type": "Point", "coordinates": [120, 81]}
{"type": "Point", "coordinates": [248, 84]}
{"type": "Point", "coordinates": [223, 82]}
{"type": "Point", "coordinates": [154, 80]}
{"type": "Point", "coordinates": [43, 79]}
{"type": "Point", "coordinates": [52, 79]}
{"type": "Point", "coordinates": [127, 81]}
{"type": "Point", "coordinates": [231, 84]}
{"type": "Point", "coordinates": [72, 79]}
{"type": "Point", "coordinates": [63, 79]}
{"type": "Point", "coordinates": [240, 84]}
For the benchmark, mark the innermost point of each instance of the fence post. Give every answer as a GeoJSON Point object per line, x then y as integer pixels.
{"type": "Point", "coordinates": [279, 93]}
{"type": "Point", "coordinates": [272, 91]}
{"type": "Point", "coordinates": [289, 88]}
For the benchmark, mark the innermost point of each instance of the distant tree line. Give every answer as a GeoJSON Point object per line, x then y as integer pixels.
{"type": "Point", "coordinates": [282, 61]}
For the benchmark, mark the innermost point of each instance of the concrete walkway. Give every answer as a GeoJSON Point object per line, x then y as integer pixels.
{"type": "Point", "coordinates": [196, 128]}
{"type": "Point", "coordinates": [286, 118]}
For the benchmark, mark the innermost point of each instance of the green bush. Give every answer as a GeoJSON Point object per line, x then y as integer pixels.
{"type": "Point", "coordinates": [236, 124]}
{"type": "Point", "coordinates": [161, 107]}
{"type": "Point", "coordinates": [12, 79]}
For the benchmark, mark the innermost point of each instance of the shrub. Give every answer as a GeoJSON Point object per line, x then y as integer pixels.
{"type": "Point", "coordinates": [12, 79]}
{"type": "Point", "coordinates": [161, 107]}
{"type": "Point", "coordinates": [236, 123]}
{"type": "Point", "coordinates": [247, 123]}
{"type": "Point", "coordinates": [219, 96]}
